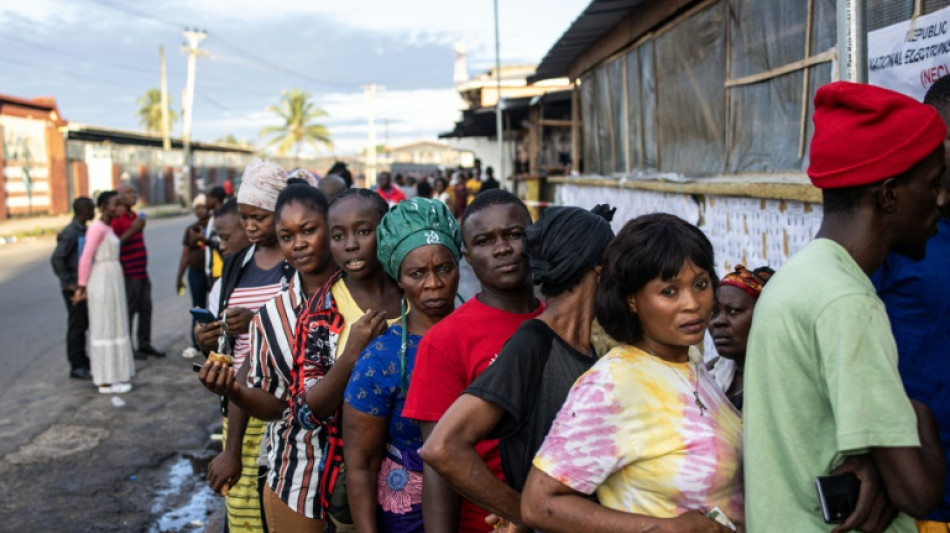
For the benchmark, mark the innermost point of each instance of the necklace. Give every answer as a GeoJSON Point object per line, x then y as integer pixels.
{"type": "Point", "coordinates": [696, 399]}
{"type": "Point", "coordinates": [695, 388]}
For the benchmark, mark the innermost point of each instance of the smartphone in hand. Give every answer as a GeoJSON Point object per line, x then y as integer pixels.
{"type": "Point", "coordinates": [838, 496]}
{"type": "Point", "coordinates": [203, 315]}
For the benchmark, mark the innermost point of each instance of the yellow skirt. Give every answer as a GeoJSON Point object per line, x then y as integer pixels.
{"type": "Point", "coordinates": [926, 526]}
{"type": "Point", "coordinates": [243, 501]}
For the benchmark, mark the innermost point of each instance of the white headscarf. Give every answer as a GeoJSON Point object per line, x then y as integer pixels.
{"type": "Point", "coordinates": [261, 184]}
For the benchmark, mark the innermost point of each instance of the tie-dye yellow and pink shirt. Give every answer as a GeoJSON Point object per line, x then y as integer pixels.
{"type": "Point", "coordinates": [632, 431]}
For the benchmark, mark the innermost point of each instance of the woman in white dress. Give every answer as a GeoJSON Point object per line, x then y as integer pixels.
{"type": "Point", "coordinates": [101, 282]}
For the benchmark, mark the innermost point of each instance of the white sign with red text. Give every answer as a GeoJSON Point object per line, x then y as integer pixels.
{"type": "Point", "coordinates": [909, 56]}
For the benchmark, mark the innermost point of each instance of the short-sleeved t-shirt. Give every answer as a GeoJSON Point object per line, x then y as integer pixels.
{"type": "Point", "coordinates": [132, 253]}
{"type": "Point", "coordinates": [917, 298]}
{"type": "Point", "coordinates": [451, 355]}
{"type": "Point", "coordinates": [376, 386]}
{"type": "Point", "coordinates": [253, 290]}
{"type": "Point", "coordinates": [821, 382]}
{"type": "Point", "coordinates": [632, 431]}
{"type": "Point", "coordinates": [530, 380]}
{"type": "Point", "coordinates": [196, 250]}
{"type": "Point", "coordinates": [351, 312]}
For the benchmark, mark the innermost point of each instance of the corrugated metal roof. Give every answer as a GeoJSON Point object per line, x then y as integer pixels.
{"type": "Point", "coordinates": [597, 18]}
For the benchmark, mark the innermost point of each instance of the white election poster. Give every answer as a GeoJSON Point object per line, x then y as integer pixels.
{"type": "Point", "coordinates": [908, 59]}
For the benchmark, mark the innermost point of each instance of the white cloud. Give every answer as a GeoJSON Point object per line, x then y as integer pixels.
{"type": "Point", "coordinates": [38, 10]}
{"type": "Point", "coordinates": [425, 20]}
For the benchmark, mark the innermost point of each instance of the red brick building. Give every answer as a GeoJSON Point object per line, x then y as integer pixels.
{"type": "Point", "coordinates": [33, 157]}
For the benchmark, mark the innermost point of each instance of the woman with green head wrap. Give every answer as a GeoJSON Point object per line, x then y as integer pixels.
{"type": "Point", "coordinates": [419, 246]}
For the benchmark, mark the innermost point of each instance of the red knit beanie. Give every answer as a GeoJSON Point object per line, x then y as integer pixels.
{"type": "Point", "coordinates": [865, 134]}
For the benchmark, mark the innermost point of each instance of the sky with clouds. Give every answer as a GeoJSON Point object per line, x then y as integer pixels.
{"type": "Point", "coordinates": [97, 57]}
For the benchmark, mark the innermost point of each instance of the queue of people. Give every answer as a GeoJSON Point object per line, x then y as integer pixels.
{"type": "Point", "coordinates": [360, 393]}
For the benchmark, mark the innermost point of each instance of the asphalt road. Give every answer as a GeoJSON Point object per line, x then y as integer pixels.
{"type": "Point", "coordinates": [94, 463]}
{"type": "Point", "coordinates": [72, 459]}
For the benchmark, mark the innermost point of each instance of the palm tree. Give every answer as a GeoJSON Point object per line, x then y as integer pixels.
{"type": "Point", "coordinates": [150, 112]}
{"type": "Point", "coordinates": [299, 114]}
{"type": "Point", "coordinates": [231, 139]}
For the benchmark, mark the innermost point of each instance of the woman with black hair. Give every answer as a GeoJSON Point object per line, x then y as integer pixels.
{"type": "Point", "coordinates": [102, 283]}
{"type": "Point", "coordinates": [646, 429]}
{"type": "Point", "coordinates": [353, 307]}
{"type": "Point", "coordinates": [729, 327]}
{"type": "Point", "coordinates": [249, 279]}
{"type": "Point", "coordinates": [518, 396]}
{"type": "Point", "coordinates": [290, 492]}
{"type": "Point", "coordinates": [419, 246]}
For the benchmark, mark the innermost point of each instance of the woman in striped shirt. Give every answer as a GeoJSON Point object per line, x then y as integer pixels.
{"type": "Point", "coordinates": [292, 451]}
{"type": "Point", "coordinates": [250, 279]}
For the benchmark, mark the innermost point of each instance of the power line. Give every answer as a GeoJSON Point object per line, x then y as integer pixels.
{"type": "Point", "coordinates": [214, 102]}
{"type": "Point", "coordinates": [44, 68]}
{"type": "Point", "coordinates": [274, 66]}
{"type": "Point", "coordinates": [135, 12]}
{"type": "Point", "coordinates": [254, 58]}
{"type": "Point", "coordinates": [77, 56]}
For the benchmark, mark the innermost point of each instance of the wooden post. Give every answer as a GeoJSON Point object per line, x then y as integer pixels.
{"type": "Point", "coordinates": [145, 189]}
{"type": "Point", "coordinates": [4, 213]}
{"type": "Point", "coordinates": [168, 174]}
{"type": "Point", "coordinates": [575, 128]}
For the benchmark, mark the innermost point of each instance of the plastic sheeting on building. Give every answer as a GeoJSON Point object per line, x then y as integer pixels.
{"type": "Point", "coordinates": [675, 101]}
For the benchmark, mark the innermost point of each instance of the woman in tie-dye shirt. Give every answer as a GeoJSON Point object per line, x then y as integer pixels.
{"type": "Point", "coordinates": [646, 428]}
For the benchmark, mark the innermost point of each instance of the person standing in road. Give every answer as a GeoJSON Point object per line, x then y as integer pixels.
{"type": "Point", "coordinates": [490, 181]}
{"type": "Point", "coordinates": [100, 282]}
{"type": "Point", "coordinates": [213, 262]}
{"type": "Point", "coordinates": [193, 259]}
{"type": "Point", "coordinates": [128, 227]}
{"type": "Point", "coordinates": [65, 262]}
{"type": "Point", "coordinates": [388, 190]}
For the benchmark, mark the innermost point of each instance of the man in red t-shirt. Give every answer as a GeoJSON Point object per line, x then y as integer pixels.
{"type": "Point", "coordinates": [132, 254]}
{"type": "Point", "coordinates": [457, 349]}
{"type": "Point", "coordinates": [388, 190]}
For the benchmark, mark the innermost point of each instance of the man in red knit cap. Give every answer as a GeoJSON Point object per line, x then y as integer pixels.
{"type": "Point", "coordinates": [821, 378]}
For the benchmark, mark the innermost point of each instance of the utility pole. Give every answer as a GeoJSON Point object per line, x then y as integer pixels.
{"type": "Point", "coordinates": [194, 37]}
{"type": "Point", "coordinates": [852, 40]}
{"type": "Point", "coordinates": [499, 128]}
{"type": "Point", "coordinates": [371, 90]}
{"type": "Point", "coordinates": [166, 141]}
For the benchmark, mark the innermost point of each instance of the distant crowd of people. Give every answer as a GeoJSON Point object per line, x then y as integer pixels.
{"type": "Point", "coordinates": [360, 393]}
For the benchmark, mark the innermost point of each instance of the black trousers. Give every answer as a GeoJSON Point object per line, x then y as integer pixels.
{"type": "Point", "coordinates": [138, 294]}
{"type": "Point", "coordinates": [77, 322]}
{"type": "Point", "coordinates": [198, 285]}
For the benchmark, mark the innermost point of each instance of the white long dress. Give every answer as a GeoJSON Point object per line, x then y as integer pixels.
{"type": "Point", "coordinates": [110, 352]}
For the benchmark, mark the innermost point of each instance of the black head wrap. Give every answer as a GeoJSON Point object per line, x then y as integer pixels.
{"type": "Point", "coordinates": [565, 243]}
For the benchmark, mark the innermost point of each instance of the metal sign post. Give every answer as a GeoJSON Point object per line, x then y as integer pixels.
{"type": "Point", "coordinates": [852, 41]}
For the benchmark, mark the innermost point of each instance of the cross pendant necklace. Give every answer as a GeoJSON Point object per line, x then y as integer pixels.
{"type": "Point", "coordinates": [699, 402]}
{"type": "Point", "coordinates": [695, 388]}
{"type": "Point", "coordinates": [696, 399]}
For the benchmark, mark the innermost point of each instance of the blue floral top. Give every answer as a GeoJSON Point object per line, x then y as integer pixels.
{"type": "Point", "coordinates": [377, 387]}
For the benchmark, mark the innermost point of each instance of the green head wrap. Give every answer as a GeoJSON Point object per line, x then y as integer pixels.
{"type": "Point", "coordinates": [411, 224]}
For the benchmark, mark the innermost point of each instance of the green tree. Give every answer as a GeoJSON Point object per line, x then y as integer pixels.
{"type": "Point", "coordinates": [150, 112]}
{"type": "Point", "coordinates": [231, 139]}
{"type": "Point", "coordinates": [299, 115]}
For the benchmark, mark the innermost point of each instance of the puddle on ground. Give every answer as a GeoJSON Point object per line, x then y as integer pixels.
{"type": "Point", "coordinates": [180, 514]}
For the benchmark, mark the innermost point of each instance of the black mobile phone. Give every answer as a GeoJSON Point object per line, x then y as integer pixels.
{"type": "Point", "coordinates": [838, 495]}
{"type": "Point", "coordinates": [203, 315]}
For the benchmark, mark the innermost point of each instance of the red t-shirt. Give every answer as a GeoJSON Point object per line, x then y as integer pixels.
{"type": "Point", "coordinates": [393, 196]}
{"type": "Point", "coordinates": [450, 356]}
{"type": "Point", "coordinates": [132, 252]}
